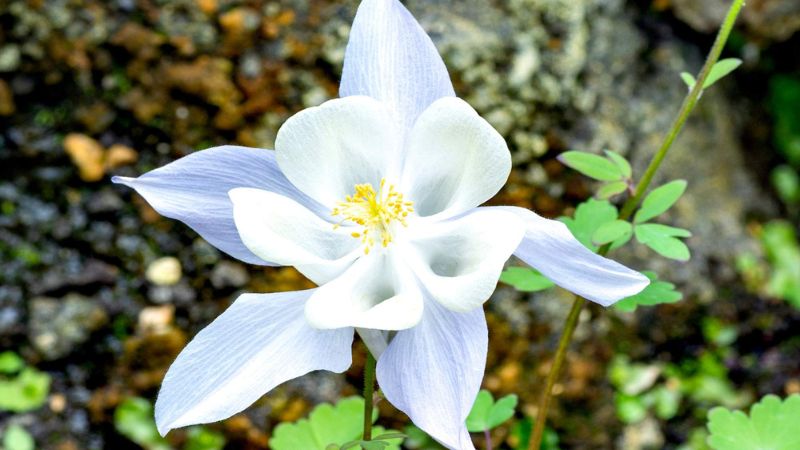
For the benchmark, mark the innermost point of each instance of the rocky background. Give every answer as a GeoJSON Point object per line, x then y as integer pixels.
{"type": "Point", "coordinates": [98, 293]}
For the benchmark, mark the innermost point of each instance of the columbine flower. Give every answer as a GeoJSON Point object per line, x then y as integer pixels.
{"type": "Point", "coordinates": [374, 197]}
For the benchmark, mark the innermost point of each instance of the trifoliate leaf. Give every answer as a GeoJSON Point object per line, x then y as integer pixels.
{"type": "Point", "coordinates": [327, 424]}
{"type": "Point", "coordinates": [487, 414]}
{"type": "Point", "coordinates": [591, 165]}
{"type": "Point", "coordinates": [525, 279]}
{"type": "Point", "coordinates": [722, 68]}
{"type": "Point", "coordinates": [621, 162]}
{"type": "Point", "coordinates": [662, 239]}
{"type": "Point", "coordinates": [133, 418]}
{"type": "Point", "coordinates": [589, 216]}
{"type": "Point", "coordinates": [612, 231]}
{"type": "Point", "coordinates": [656, 293]}
{"type": "Point", "coordinates": [16, 438]}
{"type": "Point", "coordinates": [611, 189]}
{"type": "Point", "coordinates": [10, 362]}
{"type": "Point", "coordinates": [25, 392]}
{"type": "Point", "coordinates": [688, 79]}
{"type": "Point", "coordinates": [772, 425]}
{"type": "Point", "coordinates": [660, 200]}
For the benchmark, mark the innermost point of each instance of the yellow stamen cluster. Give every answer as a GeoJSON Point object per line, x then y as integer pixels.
{"type": "Point", "coordinates": [375, 212]}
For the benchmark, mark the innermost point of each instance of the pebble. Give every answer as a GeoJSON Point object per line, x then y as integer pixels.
{"type": "Point", "coordinates": [87, 154]}
{"type": "Point", "coordinates": [164, 271]}
{"type": "Point", "coordinates": [155, 319]}
{"type": "Point", "coordinates": [229, 274]}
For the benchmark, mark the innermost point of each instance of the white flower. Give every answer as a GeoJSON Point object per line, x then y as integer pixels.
{"type": "Point", "coordinates": [374, 197]}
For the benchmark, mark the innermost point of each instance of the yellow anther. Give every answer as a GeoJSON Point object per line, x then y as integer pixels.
{"type": "Point", "coordinates": [374, 211]}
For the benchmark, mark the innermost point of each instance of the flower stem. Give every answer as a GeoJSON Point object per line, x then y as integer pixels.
{"type": "Point", "coordinates": [488, 436]}
{"type": "Point", "coordinates": [627, 211]}
{"type": "Point", "coordinates": [369, 390]}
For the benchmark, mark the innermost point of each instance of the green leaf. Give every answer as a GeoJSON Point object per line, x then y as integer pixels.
{"type": "Point", "coordinates": [786, 181]}
{"type": "Point", "coordinates": [660, 200]}
{"type": "Point", "coordinates": [611, 189]}
{"type": "Point", "coordinates": [783, 253]}
{"type": "Point", "coordinates": [662, 239]}
{"type": "Point", "coordinates": [589, 216]}
{"type": "Point", "coordinates": [670, 248]}
{"type": "Point", "coordinates": [487, 414]}
{"type": "Point", "coordinates": [621, 162]}
{"type": "Point", "coordinates": [784, 96]}
{"type": "Point", "coordinates": [656, 293]}
{"type": "Point", "coordinates": [327, 424]}
{"type": "Point", "coordinates": [16, 438]}
{"type": "Point", "coordinates": [722, 68]}
{"type": "Point", "coordinates": [525, 279]}
{"type": "Point", "coordinates": [25, 392]}
{"type": "Point", "coordinates": [10, 362]}
{"type": "Point", "coordinates": [630, 409]}
{"type": "Point", "coordinates": [201, 438]}
{"type": "Point", "coordinates": [688, 79]}
{"type": "Point", "coordinates": [667, 402]}
{"type": "Point", "coordinates": [612, 231]}
{"type": "Point", "coordinates": [591, 165]}
{"type": "Point", "coordinates": [772, 425]}
{"type": "Point", "coordinates": [134, 419]}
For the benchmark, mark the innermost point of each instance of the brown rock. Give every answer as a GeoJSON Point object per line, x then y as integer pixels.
{"type": "Point", "coordinates": [6, 100]}
{"type": "Point", "coordinates": [119, 155]}
{"type": "Point", "coordinates": [87, 154]}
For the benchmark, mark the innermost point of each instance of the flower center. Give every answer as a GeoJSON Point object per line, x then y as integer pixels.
{"type": "Point", "coordinates": [375, 212]}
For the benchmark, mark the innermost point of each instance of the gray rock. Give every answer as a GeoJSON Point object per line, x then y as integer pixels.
{"type": "Point", "coordinates": [229, 274]}
{"type": "Point", "coordinates": [57, 326]}
{"type": "Point", "coordinates": [774, 19]}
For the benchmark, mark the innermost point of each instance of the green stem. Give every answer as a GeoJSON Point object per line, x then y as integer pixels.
{"type": "Point", "coordinates": [369, 390]}
{"type": "Point", "coordinates": [552, 376]}
{"type": "Point", "coordinates": [627, 211]}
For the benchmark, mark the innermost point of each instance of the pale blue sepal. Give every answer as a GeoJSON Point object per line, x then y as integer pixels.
{"type": "Point", "coordinates": [432, 372]}
{"type": "Point", "coordinates": [259, 342]}
{"type": "Point", "coordinates": [390, 58]}
{"type": "Point", "coordinates": [550, 248]}
{"type": "Point", "coordinates": [194, 189]}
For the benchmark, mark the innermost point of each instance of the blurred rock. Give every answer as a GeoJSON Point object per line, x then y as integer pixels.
{"type": "Point", "coordinates": [57, 326]}
{"type": "Point", "coordinates": [164, 271]}
{"type": "Point", "coordinates": [774, 19]}
{"type": "Point", "coordinates": [155, 319]}
{"type": "Point", "coordinates": [66, 276]}
{"type": "Point", "coordinates": [7, 107]}
{"type": "Point", "coordinates": [119, 155]}
{"type": "Point", "coordinates": [86, 154]}
{"type": "Point", "coordinates": [229, 274]}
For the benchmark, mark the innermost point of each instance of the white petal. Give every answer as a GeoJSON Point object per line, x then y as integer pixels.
{"type": "Point", "coordinates": [377, 292]}
{"type": "Point", "coordinates": [194, 190]}
{"type": "Point", "coordinates": [390, 58]}
{"type": "Point", "coordinates": [550, 248]}
{"type": "Point", "coordinates": [455, 160]}
{"type": "Point", "coordinates": [261, 341]}
{"type": "Point", "coordinates": [459, 261]}
{"type": "Point", "coordinates": [276, 228]}
{"type": "Point", "coordinates": [325, 151]}
{"type": "Point", "coordinates": [433, 371]}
